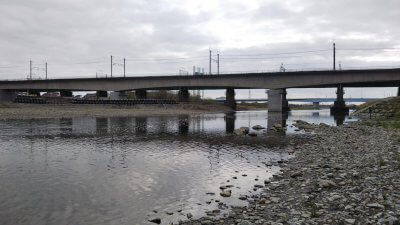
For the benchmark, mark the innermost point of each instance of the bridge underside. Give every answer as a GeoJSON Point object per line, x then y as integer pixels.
{"type": "Point", "coordinates": [313, 79]}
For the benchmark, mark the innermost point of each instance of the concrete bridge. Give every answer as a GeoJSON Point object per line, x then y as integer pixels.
{"type": "Point", "coordinates": [277, 82]}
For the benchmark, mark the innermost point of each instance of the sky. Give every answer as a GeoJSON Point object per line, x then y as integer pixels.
{"type": "Point", "coordinates": [77, 38]}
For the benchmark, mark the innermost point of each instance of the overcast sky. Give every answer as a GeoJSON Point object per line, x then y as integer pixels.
{"type": "Point", "coordinates": [77, 37]}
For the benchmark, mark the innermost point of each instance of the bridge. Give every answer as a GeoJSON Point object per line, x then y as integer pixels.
{"type": "Point", "coordinates": [310, 100]}
{"type": "Point", "coordinates": [277, 82]}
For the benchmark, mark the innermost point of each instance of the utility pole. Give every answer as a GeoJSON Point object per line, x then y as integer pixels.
{"type": "Point", "coordinates": [334, 56]}
{"type": "Point", "coordinates": [30, 69]}
{"type": "Point", "coordinates": [111, 66]}
{"type": "Point", "coordinates": [124, 67]}
{"type": "Point", "coordinates": [209, 66]}
{"type": "Point", "coordinates": [46, 69]}
{"type": "Point", "coordinates": [218, 63]}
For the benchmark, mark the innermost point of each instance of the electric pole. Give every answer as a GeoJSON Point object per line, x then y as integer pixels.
{"type": "Point", "coordinates": [46, 69]}
{"type": "Point", "coordinates": [111, 66]}
{"type": "Point", "coordinates": [209, 66]}
{"type": "Point", "coordinates": [30, 69]}
{"type": "Point", "coordinates": [334, 56]}
{"type": "Point", "coordinates": [218, 63]}
{"type": "Point", "coordinates": [124, 67]}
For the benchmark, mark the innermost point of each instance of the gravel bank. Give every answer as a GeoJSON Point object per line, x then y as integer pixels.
{"type": "Point", "coordinates": [342, 175]}
{"type": "Point", "coordinates": [33, 111]}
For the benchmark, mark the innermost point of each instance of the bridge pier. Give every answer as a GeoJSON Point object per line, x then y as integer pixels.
{"type": "Point", "coordinates": [101, 94]}
{"type": "Point", "coordinates": [140, 94]}
{"type": "Point", "coordinates": [183, 95]}
{"type": "Point", "coordinates": [277, 101]}
{"type": "Point", "coordinates": [7, 95]}
{"type": "Point", "coordinates": [230, 98]}
{"type": "Point", "coordinates": [65, 93]}
{"type": "Point", "coordinates": [339, 105]}
{"type": "Point", "coordinates": [315, 105]}
{"type": "Point", "coordinates": [118, 95]}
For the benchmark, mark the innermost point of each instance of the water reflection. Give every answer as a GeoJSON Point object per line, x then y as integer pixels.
{"type": "Point", "coordinates": [113, 170]}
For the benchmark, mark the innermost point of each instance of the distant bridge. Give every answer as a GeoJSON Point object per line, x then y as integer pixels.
{"type": "Point", "coordinates": [305, 100]}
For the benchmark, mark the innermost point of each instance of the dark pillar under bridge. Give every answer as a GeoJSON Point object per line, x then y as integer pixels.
{"type": "Point", "coordinates": [339, 106]}
{"type": "Point", "coordinates": [140, 94]}
{"type": "Point", "coordinates": [183, 95]}
{"type": "Point", "coordinates": [230, 98]}
{"type": "Point", "coordinates": [101, 94]}
{"type": "Point", "coordinates": [7, 95]}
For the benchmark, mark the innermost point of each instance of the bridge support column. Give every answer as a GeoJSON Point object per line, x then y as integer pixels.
{"type": "Point", "coordinates": [230, 98]}
{"type": "Point", "coordinates": [118, 95]}
{"type": "Point", "coordinates": [277, 101]}
{"type": "Point", "coordinates": [101, 94]}
{"type": "Point", "coordinates": [183, 95]}
{"type": "Point", "coordinates": [339, 105]}
{"type": "Point", "coordinates": [66, 93]}
{"type": "Point", "coordinates": [141, 94]}
{"type": "Point", "coordinates": [7, 95]}
{"type": "Point", "coordinates": [315, 105]}
{"type": "Point", "coordinates": [285, 103]}
{"type": "Point", "coordinates": [398, 91]}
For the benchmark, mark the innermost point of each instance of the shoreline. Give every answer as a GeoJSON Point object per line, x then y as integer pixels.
{"type": "Point", "coordinates": [342, 175]}
{"type": "Point", "coordinates": [33, 111]}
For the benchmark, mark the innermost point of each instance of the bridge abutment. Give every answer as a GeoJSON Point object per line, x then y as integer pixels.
{"type": "Point", "coordinates": [64, 93]}
{"type": "Point", "coordinates": [339, 106]}
{"type": "Point", "coordinates": [7, 95]}
{"type": "Point", "coordinates": [140, 94]}
{"type": "Point", "coordinates": [183, 95]}
{"type": "Point", "coordinates": [277, 101]}
{"type": "Point", "coordinates": [230, 98]}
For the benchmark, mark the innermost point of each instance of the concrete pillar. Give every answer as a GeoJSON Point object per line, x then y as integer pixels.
{"type": "Point", "coordinates": [183, 95]}
{"type": "Point", "coordinates": [118, 95]}
{"type": "Point", "coordinates": [65, 93]}
{"type": "Point", "coordinates": [141, 94]}
{"type": "Point", "coordinates": [230, 98]}
{"type": "Point", "coordinates": [230, 122]}
{"type": "Point", "coordinates": [101, 94]}
{"type": "Point", "coordinates": [285, 103]}
{"type": "Point", "coordinates": [7, 95]}
{"type": "Point", "coordinates": [315, 105]}
{"type": "Point", "coordinates": [275, 100]}
{"type": "Point", "coordinates": [339, 105]}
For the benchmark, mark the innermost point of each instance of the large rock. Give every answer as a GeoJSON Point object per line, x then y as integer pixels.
{"type": "Point", "coordinates": [242, 131]}
{"type": "Point", "coordinates": [258, 127]}
{"type": "Point", "coordinates": [226, 193]}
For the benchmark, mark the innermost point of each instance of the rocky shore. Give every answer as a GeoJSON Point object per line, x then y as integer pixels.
{"type": "Point", "coordinates": [342, 175]}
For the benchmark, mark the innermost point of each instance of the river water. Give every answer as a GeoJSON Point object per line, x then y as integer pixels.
{"type": "Point", "coordinates": [129, 170]}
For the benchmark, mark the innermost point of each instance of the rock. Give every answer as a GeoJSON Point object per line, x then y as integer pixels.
{"type": "Point", "coordinates": [326, 184]}
{"type": "Point", "coordinates": [243, 197]}
{"type": "Point", "coordinates": [274, 199]}
{"type": "Point", "coordinates": [244, 222]}
{"type": "Point", "coordinates": [189, 216]}
{"type": "Point", "coordinates": [251, 134]}
{"type": "Point", "coordinates": [296, 174]}
{"type": "Point", "coordinates": [376, 206]}
{"type": "Point", "coordinates": [226, 193]}
{"type": "Point", "coordinates": [350, 221]}
{"type": "Point", "coordinates": [223, 187]}
{"type": "Point", "coordinates": [155, 220]}
{"type": "Point", "coordinates": [258, 127]}
{"type": "Point", "coordinates": [242, 131]}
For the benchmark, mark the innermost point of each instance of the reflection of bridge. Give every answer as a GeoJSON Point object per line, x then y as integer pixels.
{"type": "Point", "coordinates": [304, 100]}
{"type": "Point", "coordinates": [277, 82]}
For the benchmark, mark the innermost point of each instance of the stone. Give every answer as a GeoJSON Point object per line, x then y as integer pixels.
{"type": "Point", "coordinates": [326, 184]}
{"type": "Point", "coordinates": [243, 197]}
{"type": "Point", "coordinates": [155, 220]}
{"type": "Point", "coordinates": [296, 174]}
{"type": "Point", "coordinates": [376, 206]}
{"type": "Point", "coordinates": [189, 216]}
{"type": "Point", "coordinates": [226, 193]}
{"type": "Point", "coordinates": [258, 127]}
{"type": "Point", "coordinates": [350, 221]}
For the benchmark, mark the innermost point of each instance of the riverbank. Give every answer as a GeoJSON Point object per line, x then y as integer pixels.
{"type": "Point", "coordinates": [341, 175]}
{"type": "Point", "coordinates": [33, 111]}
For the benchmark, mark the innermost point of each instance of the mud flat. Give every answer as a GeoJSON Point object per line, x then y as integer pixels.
{"type": "Point", "coordinates": [341, 175]}
{"type": "Point", "coordinates": [33, 111]}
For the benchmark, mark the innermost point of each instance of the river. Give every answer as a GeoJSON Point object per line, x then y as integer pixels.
{"type": "Point", "coordinates": [129, 170]}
